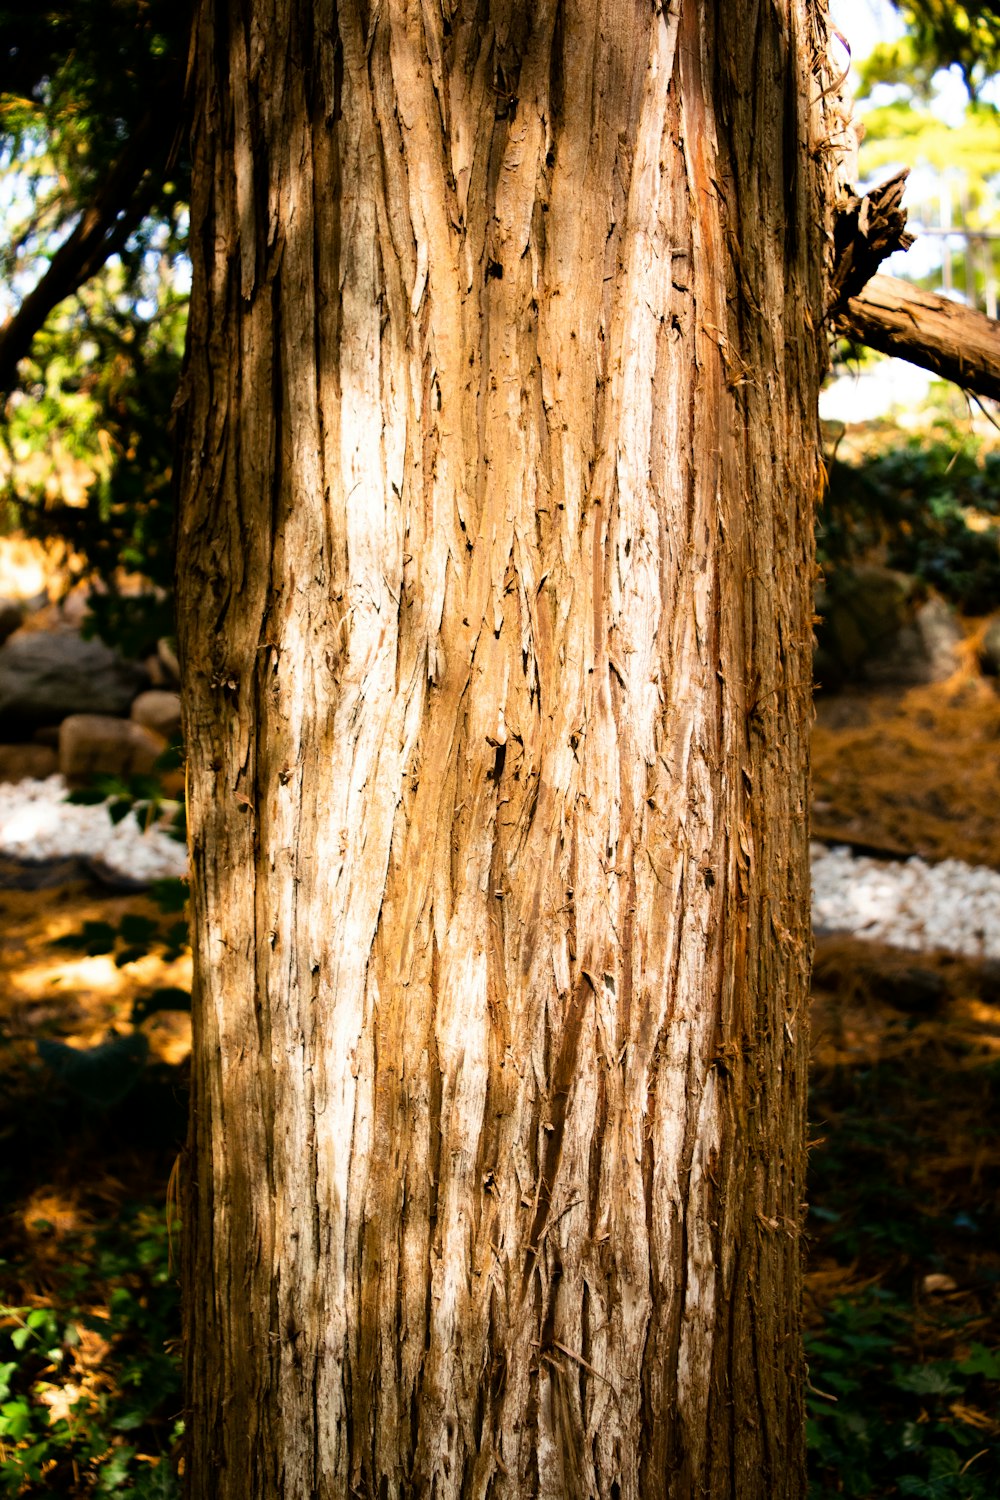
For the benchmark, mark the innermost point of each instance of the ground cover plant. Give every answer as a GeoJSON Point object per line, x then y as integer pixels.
{"type": "Point", "coordinates": [904, 1261]}
{"type": "Point", "coordinates": [925, 503]}
{"type": "Point", "coordinates": [89, 1376]}
{"type": "Point", "coordinates": [90, 1398]}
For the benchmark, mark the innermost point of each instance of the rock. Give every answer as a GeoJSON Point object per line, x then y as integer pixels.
{"type": "Point", "coordinates": [876, 628]}
{"type": "Point", "coordinates": [925, 649]}
{"type": "Point", "coordinates": [27, 762]}
{"type": "Point", "coordinates": [861, 610]}
{"type": "Point", "coordinates": [46, 675]}
{"type": "Point", "coordinates": [159, 711]}
{"type": "Point", "coordinates": [154, 671]}
{"type": "Point", "coordinates": [989, 651]}
{"type": "Point", "coordinates": [99, 745]}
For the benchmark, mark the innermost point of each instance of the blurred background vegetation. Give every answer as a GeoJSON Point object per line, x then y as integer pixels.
{"type": "Point", "coordinates": [904, 1274]}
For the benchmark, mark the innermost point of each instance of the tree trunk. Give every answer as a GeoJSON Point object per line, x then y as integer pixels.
{"type": "Point", "coordinates": [495, 594]}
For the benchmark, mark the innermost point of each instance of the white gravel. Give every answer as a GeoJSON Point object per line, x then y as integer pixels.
{"type": "Point", "coordinates": [908, 904]}
{"type": "Point", "coordinates": [37, 823]}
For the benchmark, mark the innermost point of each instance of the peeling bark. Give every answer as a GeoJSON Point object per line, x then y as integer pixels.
{"type": "Point", "coordinates": [953, 341]}
{"type": "Point", "coordinates": [495, 590]}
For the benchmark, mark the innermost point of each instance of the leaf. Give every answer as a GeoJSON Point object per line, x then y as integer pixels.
{"type": "Point", "coordinates": [167, 997]}
{"type": "Point", "coordinates": [981, 1361]}
{"type": "Point", "coordinates": [129, 1420]}
{"type": "Point", "coordinates": [170, 895]}
{"type": "Point", "coordinates": [115, 1472]}
{"type": "Point", "coordinates": [88, 796]}
{"type": "Point", "coordinates": [135, 928]}
{"type": "Point", "coordinates": [15, 1419]}
{"type": "Point", "coordinates": [926, 1380]}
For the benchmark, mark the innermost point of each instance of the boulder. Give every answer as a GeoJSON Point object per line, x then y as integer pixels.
{"type": "Point", "coordinates": [99, 745]}
{"type": "Point", "coordinates": [160, 711]}
{"type": "Point", "coordinates": [27, 762]}
{"type": "Point", "coordinates": [924, 650]}
{"type": "Point", "coordinates": [876, 626]}
{"type": "Point", "coordinates": [45, 675]}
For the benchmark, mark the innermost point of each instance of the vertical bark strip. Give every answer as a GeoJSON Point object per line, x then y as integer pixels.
{"type": "Point", "coordinates": [495, 585]}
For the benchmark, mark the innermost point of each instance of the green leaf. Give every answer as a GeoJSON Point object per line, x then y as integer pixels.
{"type": "Point", "coordinates": [88, 796]}
{"type": "Point", "coordinates": [170, 895]}
{"type": "Point", "coordinates": [135, 928]}
{"type": "Point", "coordinates": [114, 1473]}
{"type": "Point", "coordinates": [981, 1361]}
{"type": "Point", "coordinates": [15, 1420]}
{"type": "Point", "coordinates": [129, 1420]}
{"type": "Point", "coordinates": [926, 1380]}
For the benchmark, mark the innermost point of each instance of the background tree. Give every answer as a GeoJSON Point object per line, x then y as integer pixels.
{"type": "Point", "coordinates": [945, 35]}
{"type": "Point", "coordinates": [95, 183]}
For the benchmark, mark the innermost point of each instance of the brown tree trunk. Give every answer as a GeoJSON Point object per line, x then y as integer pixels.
{"type": "Point", "coordinates": [956, 342]}
{"type": "Point", "coordinates": [495, 592]}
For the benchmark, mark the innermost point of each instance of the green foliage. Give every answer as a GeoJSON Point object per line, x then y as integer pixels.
{"type": "Point", "coordinates": [135, 936]}
{"type": "Point", "coordinates": [97, 394]}
{"type": "Point", "coordinates": [142, 795]}
{"type": "Point", "coordinates": [89, 1377]}
{"type": "Point", "coordinates": [880, 1425]}
{"type": "Point", "coordinates": [944, 34]}
{"type": "Point", "coordinates": [904, 1381]}
{"type": "Point", "coordinates": [928, 506]}
{"type": "Point", "coordinates": [904, 133]}
{"type": "Point", "coordinates": [80, 81]}
{"type": "Point", "coordinates": [89, 82]}
{"type": "Point", "coordinates": [959, 159]}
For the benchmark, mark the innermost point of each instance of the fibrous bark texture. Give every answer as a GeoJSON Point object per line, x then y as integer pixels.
{"type": "Point", "coordinates": [495, 590]}
{"type": "Point", "coordinates": [954, 341]}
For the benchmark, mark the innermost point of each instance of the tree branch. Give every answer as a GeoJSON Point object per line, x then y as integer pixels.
{"type": "Point", "coordinates": [945, 337]}
{"type": "Point", "coordinates": [117, 208]}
